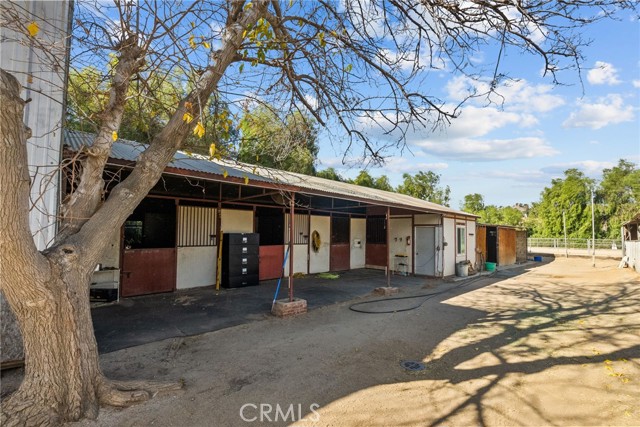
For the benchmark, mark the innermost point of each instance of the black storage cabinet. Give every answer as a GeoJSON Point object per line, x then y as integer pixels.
{"type": "Point", "coordinates": [240, 261]}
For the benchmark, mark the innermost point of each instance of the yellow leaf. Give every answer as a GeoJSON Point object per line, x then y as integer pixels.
{"type": "Point", "coordinates": [246, 180]}
{"type": "Point", "coordinates": [248, 6]}
{"type": "Point", "coordinates": [206, 45]}
{"type": "Point", "coordinates": [187, 117]}
{"type": "Point", "coordinates": [192, 41]}
{"type": "Point", "coordinates": [212, 150]}
{"type": "Point", "coordinates": [225, 173]}
{"type": "Point", "coordinates": [199, 130]}
{"type": "Point", "coordinates": [114, 135]}
{"type": "Point", "coordinates": [33, 28]}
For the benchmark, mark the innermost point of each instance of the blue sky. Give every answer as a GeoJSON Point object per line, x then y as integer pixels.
{"type": "Point", "coordinates": [509, 153]}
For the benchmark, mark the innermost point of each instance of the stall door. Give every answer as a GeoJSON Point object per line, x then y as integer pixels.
{"type": "Point", "coordinates": [148, 271]}
{"type": "Point", "coordinates": [149, 254]}
{"type": "Point", "coordinates": [506, 246]}
{"type": "Point", "coordinates": [426, 248]}
{"type": "Point", "coordinates": [339, 257]}
{"type": "Point", "coordinates": [270, 225]}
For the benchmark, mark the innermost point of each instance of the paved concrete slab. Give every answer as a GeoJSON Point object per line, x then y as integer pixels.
{"type": "Point", "coordinates": [141, 320]}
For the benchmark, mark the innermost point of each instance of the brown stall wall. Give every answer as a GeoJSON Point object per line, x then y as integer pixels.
{"type": "Point", "coordinates": [376, 255]}
{"type": "Point", "coordinates": [148, 271]}
{"type": "Point", "coordinates": [339, 257]}
{"type": "Point", "coordinates": [481, 245]}
{"type": "Point", "coordinates": [271, 259]}
{"type": "Point", "coordinates": [521, 246]}
{"type": "Point", "coordinates": [506, 246]}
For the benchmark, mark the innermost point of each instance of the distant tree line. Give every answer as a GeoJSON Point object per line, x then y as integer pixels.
{"type": "Point", "coordinates": [616, 199]}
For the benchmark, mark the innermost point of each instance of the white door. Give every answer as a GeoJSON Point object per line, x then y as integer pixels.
{"type": "Point", "coordinates": [427, 250]}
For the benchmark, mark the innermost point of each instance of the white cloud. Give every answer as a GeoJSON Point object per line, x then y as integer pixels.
{"type": "Point", "coordinates": [512, 95]}
{"type": "Point", "coordinates": [520, 175]}
{"type": "Point", "coordinates": [603, 73]}
{"type": "Point", "coordinates": [477, 121]}
{"type": "Point", "coordinates": [311, 100]}
{"type": "Point", "coordinates": [636, 83]}
{"type": "Point", "coordinates": [591, 168]}
{"type": "Point", "coordinates": [468, 149]}
{"type": "Point", "coordinates": [605, 111]}
{"type": "Point", "coordinates": [403, 165]}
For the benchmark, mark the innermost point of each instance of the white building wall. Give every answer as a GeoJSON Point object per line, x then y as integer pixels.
{"type": "Point", "coordinates": [196, 266]}
{"type": "Point", "coordinates": [461, 257]}
{"type": "Point", "coordinates": [236, 221]}
{"type": "Point", "coordinates": [111, 256]}
{"type": "Point", "coordinates": [427, 219]}
{"type": "Point", "coordinates": [42, 76]}
{"type": "Point", "coordinates": [399, 230]}
{"type": "Point", "coordinates": [319, 261]}
{"type": "Point", "coordinates": [471, 241]}
{"type": "Point", "coordinates": [449, 234]}
{"type": "Point", "coordinates": [299, 260]}
{"type": "Point", "coordinates": [358, 232]}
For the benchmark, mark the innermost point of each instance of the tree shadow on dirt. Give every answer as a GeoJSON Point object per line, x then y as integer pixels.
{"type": "Point", "coordinates": [559, 324]}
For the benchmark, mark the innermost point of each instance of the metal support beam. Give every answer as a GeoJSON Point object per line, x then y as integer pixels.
{"type": "Point", "coordinates": [388, 225]}
{"type": "Point", "coordinates": [292, 220]}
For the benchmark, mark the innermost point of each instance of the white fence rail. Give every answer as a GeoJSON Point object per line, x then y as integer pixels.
{"type": "Point", "coordinates": [558, 242]}
{"type": "Point", "coordinates": [583, 247]}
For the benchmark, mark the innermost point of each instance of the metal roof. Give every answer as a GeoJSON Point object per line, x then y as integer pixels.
{"type": "Point", "coordinates": [127, 150]}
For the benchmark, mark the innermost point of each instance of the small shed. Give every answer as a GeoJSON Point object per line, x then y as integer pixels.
{"type": "Point", "coordinates": [631, 242]}
{"type": "Point", "coordinates": [501, 244]}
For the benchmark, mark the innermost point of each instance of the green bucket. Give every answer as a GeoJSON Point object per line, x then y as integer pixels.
{"type": "Point", "coordinates": [490, 266]}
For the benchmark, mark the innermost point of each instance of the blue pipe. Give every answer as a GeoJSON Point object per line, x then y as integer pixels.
{"type": "Point", "coordinates": [275, 297]}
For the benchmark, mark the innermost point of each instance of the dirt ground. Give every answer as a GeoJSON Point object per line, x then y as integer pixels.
{"type": "Point", "coordinates": [558, 344]}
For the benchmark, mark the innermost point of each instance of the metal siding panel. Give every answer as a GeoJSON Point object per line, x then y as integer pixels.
{"type": "Point", "coordinates": [44, 113]}
{"type": "Point", "coordinates": [196, 225]}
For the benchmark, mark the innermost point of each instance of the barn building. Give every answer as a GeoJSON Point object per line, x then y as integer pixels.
{"type": "Point", "coordinates": [172, 240]}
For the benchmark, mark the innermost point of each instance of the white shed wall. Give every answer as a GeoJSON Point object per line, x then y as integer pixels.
{"type": "Point", "coordinates": [45, 111]}
{"type": "Point", "coordinates": [111, 256]}
{"type": "Point", "coordinates": [319, 261]}
{"type": "Point", "coordinates": [449, 233]}
{"type": "Point", "coordinates": [471, 241]}
{"type": "Point", "coordinates": [196, 266]}
{"type": "Point", "coordinates": [427, 219]}
{"type": "Point", "coordinates": [399, 230]}
{"type": "Point", "coordinates": [299, 260]}
{"type": "Point", "coordinates": [358, 232]}
{"type": "Point", "coordinates": [236, 221]}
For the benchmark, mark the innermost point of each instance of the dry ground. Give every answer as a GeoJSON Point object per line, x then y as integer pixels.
{"type": "Point", "coordinates": [556, 345]}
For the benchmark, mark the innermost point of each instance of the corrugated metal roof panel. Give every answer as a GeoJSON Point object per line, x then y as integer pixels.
{"type": "Point", "coordinates": [124, 149]}
{"type": "Point", "coordinates": [130, 150]}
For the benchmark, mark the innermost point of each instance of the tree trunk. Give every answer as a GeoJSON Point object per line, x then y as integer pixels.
{"type": "Point", "coordinates": [49, 293]}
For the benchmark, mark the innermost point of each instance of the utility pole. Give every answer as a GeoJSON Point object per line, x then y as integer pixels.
{"type": "Point", "coordinates": [593, 231]}
{"type": "Point", "coordinates": [564, 223]}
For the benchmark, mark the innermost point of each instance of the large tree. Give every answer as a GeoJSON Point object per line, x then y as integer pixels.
{"type": "Point", "coordinates": [425, 186]}
{"type": "Point", "coordinates": [288, 143]}
{"type": "Point", "coordinates": [619, 194]}
{"type": "Point", "coordinates": [571, 195]}
{"type": "Point", "coordinates": [349, 64]}
{"type": "Point", "coordinates": [365, 179]}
